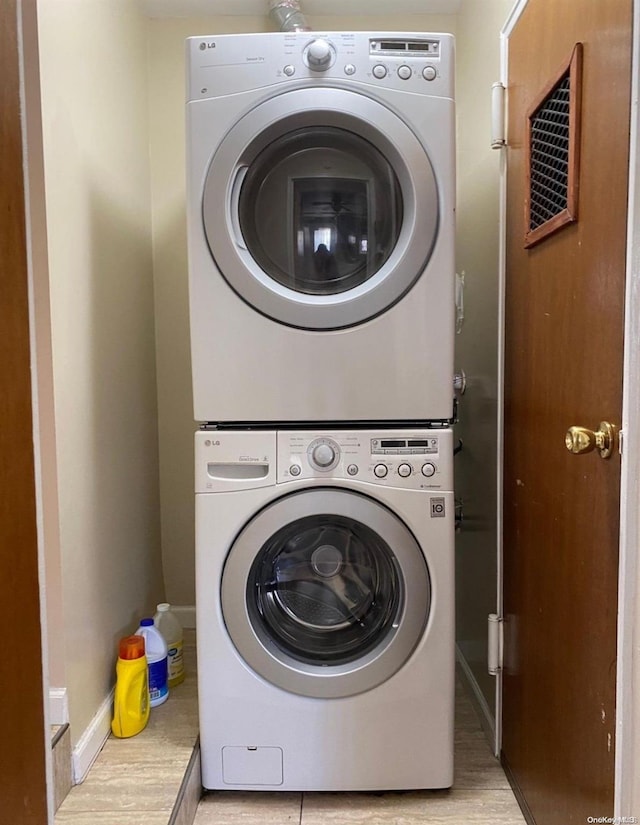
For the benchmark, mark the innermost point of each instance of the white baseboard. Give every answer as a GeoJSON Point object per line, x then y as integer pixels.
{"type": "Point", "coordinates": [186, 614]}
{"type": "Point", "coordinates": [58, 706]}
{"type": "Point", "coordinates": [91, 742]}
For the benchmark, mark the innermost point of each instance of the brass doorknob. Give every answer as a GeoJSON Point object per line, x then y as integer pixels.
{"type": "Point", "coordinates": [580, 440]}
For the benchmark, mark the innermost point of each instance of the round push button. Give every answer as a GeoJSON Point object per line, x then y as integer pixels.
{"type": "Point", "coordinates": [379, 71]}
{"type": "Point", "coordinates": [404, 470]}
{"type": "Point", "coordinates": [428, 469]}
{"type": "Point", "coordinates": [404, 72]}
{"type": "Point", "coordinates": [352, 469]}
{"type": "Point", "coordinates": [289, 71]}
{"type": "Point", "coordinates": [429, 73]}
{"type": "Point", "coordinates": [294, 469]}
{"type": "Point", "coordinates": [380, 470]}
{"type": "Point", "coordinates": [349, 69]}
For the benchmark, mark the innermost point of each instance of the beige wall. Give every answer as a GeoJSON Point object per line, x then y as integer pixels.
{"type": "Point", "coordinates": [102, 296]}
{"type": "Point", "coordinates": [94, 102]}
{"type": "Point", "coordinates": [167, 83]}
{"type": "Point", "coordinates": [478, 66]}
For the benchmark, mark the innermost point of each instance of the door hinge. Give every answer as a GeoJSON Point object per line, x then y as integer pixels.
{"type": "Point", "coordinates": [621, 442]}
{"type": "Point", "coordinates": [498, 125]}
{"type": "Point", "coordinates": [496, 644]}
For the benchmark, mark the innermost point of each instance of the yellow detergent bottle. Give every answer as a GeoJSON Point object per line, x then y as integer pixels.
{"type": "Point", "coordinates": [131, 703]}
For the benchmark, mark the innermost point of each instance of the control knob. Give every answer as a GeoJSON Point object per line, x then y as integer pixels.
{"type": "Point", "coordinates": [319, 55]}
{"type": "Point", "coordinates": [323, 455]}
{"type": "Point", "coordinates": [405, 470]}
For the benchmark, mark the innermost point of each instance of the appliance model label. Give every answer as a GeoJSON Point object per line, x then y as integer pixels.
{"type": "Point", "coordinates": [437, 508]}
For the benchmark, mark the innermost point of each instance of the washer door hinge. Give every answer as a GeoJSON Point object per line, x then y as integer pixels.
{"type": "Point", "coordinates": [496, 644]}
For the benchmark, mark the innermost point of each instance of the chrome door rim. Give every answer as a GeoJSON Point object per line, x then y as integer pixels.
{"type": "Point", "coordinates": [392, 137]}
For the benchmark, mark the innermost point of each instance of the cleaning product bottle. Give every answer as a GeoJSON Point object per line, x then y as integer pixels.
{"type": "Point", "coordinates": [156, 649]}
{"type": "Point", "coordinates": [131, 702]}
{"type": "Point", "coordinates": [168, 624]}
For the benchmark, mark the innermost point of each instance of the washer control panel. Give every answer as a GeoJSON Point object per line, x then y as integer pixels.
{"type": "Point", "coordinates": [411, 460]}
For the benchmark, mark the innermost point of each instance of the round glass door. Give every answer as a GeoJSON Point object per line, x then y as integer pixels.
{"type": "Point", "coordinates": [330, 603]}
{"type": "Point", "coordinates": [320, 208]}
{"type": "Point", "coordinates": [325, 588]}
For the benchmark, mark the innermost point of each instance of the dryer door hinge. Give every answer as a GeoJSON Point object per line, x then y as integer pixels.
{"type": "Point", "coordinates": [496, 644]}
{"type": "Point", "coordinates": [498, 124]}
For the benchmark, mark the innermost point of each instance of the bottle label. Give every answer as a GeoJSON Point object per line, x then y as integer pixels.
{"type": "Point", "coordinates": [158, 685]}
{"type": "Point", "coordinates": [144, 693]}
{"type": "Point", "coordinates": [176, 662]}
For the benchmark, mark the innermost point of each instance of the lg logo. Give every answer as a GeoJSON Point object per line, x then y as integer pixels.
{"type": "Point", "coordinates": [209, 443]}
{"type": "Point", "coordinates": [204, 46]}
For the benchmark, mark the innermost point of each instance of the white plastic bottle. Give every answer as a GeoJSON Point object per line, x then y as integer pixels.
{"type": "Point", "coordinates": [168, 624]}
{"type": "Point", "coordinates": [156, 651]}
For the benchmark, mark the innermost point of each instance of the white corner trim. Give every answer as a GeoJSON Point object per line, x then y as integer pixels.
{"type": "Point", "coordinates": [91, 742]}
{"type": "Point", "coordinates": [627, 784]}
{"type": "Point", "coordinates": [478, 698]}
{"type": "Point", "coordinates": [186, 614]}
{"type": "Point", "coordinates": [514, 16]}
{"type": "Point", "coordinates": [508, 27]}
{"type": "Point", "coordinates": [58, 706]}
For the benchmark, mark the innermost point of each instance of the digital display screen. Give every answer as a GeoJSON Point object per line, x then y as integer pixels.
{"type": "Point", "coordinates": [415, 443]}
{"type": "Point", "coordinates": [389, 444]}
{"type": "Point", "coordinates": [393, 45]}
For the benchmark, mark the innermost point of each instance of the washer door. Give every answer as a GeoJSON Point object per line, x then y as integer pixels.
{"type": "Point", "coordinates": [329, 603]}
{"type": "Point", "coordinates": [320, 208]}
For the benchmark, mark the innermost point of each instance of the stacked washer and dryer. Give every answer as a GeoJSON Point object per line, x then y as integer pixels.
{"type": "Point", "coordinates": [321, 265]}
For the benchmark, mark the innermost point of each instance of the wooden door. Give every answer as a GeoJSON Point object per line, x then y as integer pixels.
{"type": "Point", "coordinates": [563, 367]}
{"type": "Point", "coordinates": [23, 797]}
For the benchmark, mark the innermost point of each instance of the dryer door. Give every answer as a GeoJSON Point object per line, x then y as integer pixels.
{"type": "Point", "coordinates": [325, 593]}
{"type": "Point", "coordinates": [320, 208]}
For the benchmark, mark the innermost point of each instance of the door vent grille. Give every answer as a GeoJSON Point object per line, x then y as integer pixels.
{"type": "Point", "coordinates": [553, 154]}
{"type": "Point", "coordinates": [550, 156]}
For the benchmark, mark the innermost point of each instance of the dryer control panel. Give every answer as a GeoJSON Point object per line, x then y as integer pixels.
{"type": "Point", "coordinates": [221, 65]}
{"type": "Point", "coordinates": [420, 459]}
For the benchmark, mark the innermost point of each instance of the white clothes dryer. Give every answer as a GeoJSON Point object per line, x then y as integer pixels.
{"type": "Point", "coordinates": [321, 226]}
{"type": "Point", "coordinates": [325, 609]}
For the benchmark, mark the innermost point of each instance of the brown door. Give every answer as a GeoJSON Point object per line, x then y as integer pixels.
{"type": "Point", "coordinates": [23, 798]}
{"type": "Point", "coordinates": [563, 367]}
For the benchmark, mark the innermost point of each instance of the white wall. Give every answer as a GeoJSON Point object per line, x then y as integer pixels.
{"type": "Point", "coordinates": [94, 99]}
{"type": "Point", "coordinates": [166, 72]}
{"type": "Point", "coordinates": [478, 66]}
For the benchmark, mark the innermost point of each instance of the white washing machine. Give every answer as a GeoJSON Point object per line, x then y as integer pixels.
{"type": "Point", "coordinates": [321, 226]}
{"type": "Point", "coordinates": [325, 609]}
